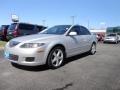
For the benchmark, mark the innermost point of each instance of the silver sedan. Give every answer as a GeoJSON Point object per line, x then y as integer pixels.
{"type": "Point", "coordinates": [50, 46]}
{"type": "Point", "coordinates": [111, 37]}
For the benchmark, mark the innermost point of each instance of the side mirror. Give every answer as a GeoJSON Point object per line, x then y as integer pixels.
{"type": "Point", "coordinates": [73, 33]}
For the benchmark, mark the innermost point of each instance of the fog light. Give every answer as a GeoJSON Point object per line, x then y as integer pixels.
{"type": "Point", "coordinates": [30, 59]}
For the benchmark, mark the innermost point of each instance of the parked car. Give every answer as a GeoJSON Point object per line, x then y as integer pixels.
{"type": "Point", "coordinates": [3, 31]}
{"type": "Point", "coordinates": [112, 37]}
{"type": "Point", "coordinates": [20, 29]}
{"type": "Point", "coordinates": [50, 46]}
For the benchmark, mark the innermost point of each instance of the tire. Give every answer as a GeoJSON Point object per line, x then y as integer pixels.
{"type": "Point", "coordinates": [93, 49]}
{"type": "Point", "coordinates": [14, 64]}
{"type": "Point", "coordinates": [56, 57]}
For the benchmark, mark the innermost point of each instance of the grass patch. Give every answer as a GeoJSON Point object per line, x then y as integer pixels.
{"type": "Point", "coordinates": [2, 43]}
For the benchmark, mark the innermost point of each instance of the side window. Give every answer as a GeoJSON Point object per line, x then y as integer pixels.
{"type": "Point", "coordinates": [76, 29]}
{"type": "Point", "coordinates": [26, 27]}
{"type": "Point", "coordinates": [84, 31]}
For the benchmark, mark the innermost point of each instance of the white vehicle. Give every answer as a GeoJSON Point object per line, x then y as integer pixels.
{"type": "Point", "coordinates": [51, 46]}
{"type": "Point", "coordinates": [112, 37]}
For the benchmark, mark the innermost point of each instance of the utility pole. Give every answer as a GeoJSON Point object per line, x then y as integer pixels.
{"type": "Point", "coordinates": [73, 20]}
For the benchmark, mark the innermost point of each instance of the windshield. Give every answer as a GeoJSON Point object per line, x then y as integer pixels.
{"type": "Point", "coordinates": [60, 29]}
{"type": "Point", "coordinates": [12, 26]}
{"type": "Point", "coordinates": [110, 35]}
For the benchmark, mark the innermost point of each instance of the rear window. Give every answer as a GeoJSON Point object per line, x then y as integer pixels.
{"type": "Point", "coordinates": [4, 27]}
{"type": "Point", "coordinates": [26, 27]}
{"type": "Point", "coordinates": [12, 26]}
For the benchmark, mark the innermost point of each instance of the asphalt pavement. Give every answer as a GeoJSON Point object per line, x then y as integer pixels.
{"type": "Point", "coordinates": [82, 72]}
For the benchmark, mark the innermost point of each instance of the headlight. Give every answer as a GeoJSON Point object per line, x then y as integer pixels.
{"type": "Point", "coordinates": [31, 45]}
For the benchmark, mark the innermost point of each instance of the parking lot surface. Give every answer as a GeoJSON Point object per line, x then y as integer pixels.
{"type": "Point", "coordinates": [82, 72]}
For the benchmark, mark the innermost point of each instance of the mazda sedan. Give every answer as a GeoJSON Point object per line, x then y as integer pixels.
{"type": "Point", "coordinates": [50, 46]}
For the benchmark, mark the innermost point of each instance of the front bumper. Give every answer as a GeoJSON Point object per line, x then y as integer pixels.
{"type": "Point", "coordinates": [21, 56]}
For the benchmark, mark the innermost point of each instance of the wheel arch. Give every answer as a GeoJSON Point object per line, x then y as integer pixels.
{"type": "Point", "coordinates": [49, 52]}
{"type": "Point", "coordinates": [52, 46]}
{"type": "Point", "coordinates": [58, 45]}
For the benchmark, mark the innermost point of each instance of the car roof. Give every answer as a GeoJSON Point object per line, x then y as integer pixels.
{"type": "Point", "coordinates": [28, 24]}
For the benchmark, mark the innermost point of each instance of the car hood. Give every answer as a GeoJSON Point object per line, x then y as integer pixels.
{"type": "Point", "coordinates": [36, 37]}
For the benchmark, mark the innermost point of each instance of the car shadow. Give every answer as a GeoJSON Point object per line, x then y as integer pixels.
{"type": "Point", "coordinates": [110, 43]}
{"type": "Point", "coordinates": [75, 58]}
{"type": "Point", "coordinates": [45, 67]}
{"type": "Point", "coordinates": [31, 68]}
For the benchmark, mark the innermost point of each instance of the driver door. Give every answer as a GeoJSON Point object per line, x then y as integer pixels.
{"type": "Point", "coordinates": [75, 42]}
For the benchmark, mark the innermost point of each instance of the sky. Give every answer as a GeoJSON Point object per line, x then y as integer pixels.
{"type": "Point", "coordinates": [90, 13]}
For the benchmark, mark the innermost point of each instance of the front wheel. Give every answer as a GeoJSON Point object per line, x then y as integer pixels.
{"type": "Point", "coordinates": [56, 57]}
{"type": "Point", "coordinates": [93, 49]}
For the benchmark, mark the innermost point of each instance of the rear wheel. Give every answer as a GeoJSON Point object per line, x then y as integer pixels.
{"type": "Point", "coordinates": [93, 49]}
{"type": "Point", "coordinates": [56, 57]}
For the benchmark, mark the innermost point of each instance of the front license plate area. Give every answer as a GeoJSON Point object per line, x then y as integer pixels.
{"type": "Point", "coordinates": [10, 56]}
{"type": "Point", "coordinates": [13, 57]}
{"type": "Point", "coordinates": [6, 54]}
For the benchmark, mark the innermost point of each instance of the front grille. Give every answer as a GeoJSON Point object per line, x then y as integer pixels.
{"type": "Point", "coordinates": [13, 43]}
{"type": "Point", "coordinates": [13, 57]}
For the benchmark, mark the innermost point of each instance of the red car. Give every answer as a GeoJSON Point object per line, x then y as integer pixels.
{"type": "Point", "coordinates": [21, 29]}
{"type": "Point", "coordinates": [99, 36]}
{"type": "Point", "coordinates": [3, 32]}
